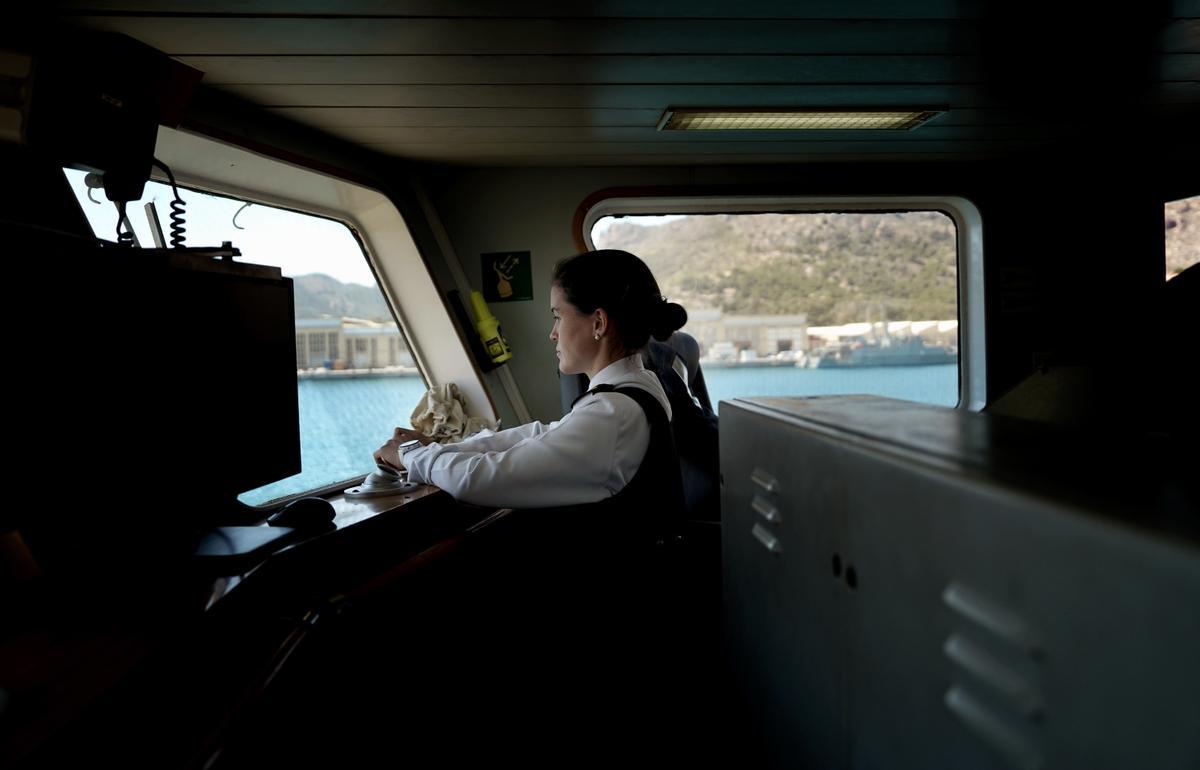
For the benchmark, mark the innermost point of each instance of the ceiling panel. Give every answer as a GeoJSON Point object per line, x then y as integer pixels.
{"type": "Point", "coordinates": [675, 152]}
{"type": "Point", "coordinates": [1180, 68]}
{"type": "Point", "coordinates": [199, 36]}
{"type": "Point", "coordinates": [763, 9]}
{"type": "Point", "coordinates": [581, 116]}
{"type": "Point", "coordinates": [421, 69]}
{"type": "Point", "coordinates": [609, 96]}
{"type": "Point", "coordinates": [532, 81]}
{"type": "Point", "coordinates": [648, 133]}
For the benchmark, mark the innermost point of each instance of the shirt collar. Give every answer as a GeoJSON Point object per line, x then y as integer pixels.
{"type": "Point", "coordinates": [619, 370]}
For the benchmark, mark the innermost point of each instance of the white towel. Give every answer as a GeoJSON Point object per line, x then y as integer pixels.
{"type": "Point", "coordinates": [442, 415]}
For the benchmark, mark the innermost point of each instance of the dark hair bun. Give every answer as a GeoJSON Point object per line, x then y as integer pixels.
{"type": "Point", "coordinates": [668, 317]}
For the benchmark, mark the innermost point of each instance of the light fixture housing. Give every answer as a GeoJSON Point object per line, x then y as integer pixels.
{"type": "Point", "coordinates": [788, 119]}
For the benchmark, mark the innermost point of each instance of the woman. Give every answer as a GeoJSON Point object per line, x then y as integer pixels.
{"type": "Point", "coordinates": [606, 305]}
{"type": "Point", "coordinates": [574, 580]}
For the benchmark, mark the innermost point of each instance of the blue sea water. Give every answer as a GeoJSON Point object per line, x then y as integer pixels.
{"type": "Point", "coordinates": [342, 421]}
{"type": "Point", "coordinates": [928, 384]}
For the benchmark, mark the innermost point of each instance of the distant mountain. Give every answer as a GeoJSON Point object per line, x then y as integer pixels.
{"type": "Point", "coordinates": [835, 268]}
{"type": "Point", "coordinates": [319, 295]}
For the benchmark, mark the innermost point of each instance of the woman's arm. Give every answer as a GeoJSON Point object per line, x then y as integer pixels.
{"type": "Point", "coordinates": [486, 440]}
{"type": "Point", "coordinates": [587, 456]}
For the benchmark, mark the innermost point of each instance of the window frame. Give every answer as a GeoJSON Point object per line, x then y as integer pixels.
{"type": "Point", "coordinates": [213, 166]}
{"type": "Point", "coordinates": [968, 224]}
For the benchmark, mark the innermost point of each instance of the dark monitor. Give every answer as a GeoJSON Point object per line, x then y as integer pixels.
{"type": "Point", "coordinates": [223, 380]}
{"type": "Point", "coordinates": [165, 385]}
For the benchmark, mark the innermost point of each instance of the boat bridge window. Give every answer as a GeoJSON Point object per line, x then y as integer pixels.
{"type": "Point", "coordinates": [348, 390]}
{"type": "Point", "coordinates": [1181, 223]}
{"type": "Point", "coordinates": [808, 303]}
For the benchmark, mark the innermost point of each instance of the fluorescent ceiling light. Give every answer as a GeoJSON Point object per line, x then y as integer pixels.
{"type": "Point", "coordinates": [720, 119]}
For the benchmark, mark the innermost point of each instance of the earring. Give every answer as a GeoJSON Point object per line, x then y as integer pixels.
{"type": "Point", "coordinates": [596, 336]}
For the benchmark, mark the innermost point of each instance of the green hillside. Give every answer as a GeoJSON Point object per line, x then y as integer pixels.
{"type": "Point", "coordinates": [835, 268]}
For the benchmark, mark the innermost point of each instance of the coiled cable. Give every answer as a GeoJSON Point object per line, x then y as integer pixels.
{"type": "Point", "coordinates": [178, 229]}
{"type": "Point", "coordinates": [124, 236]}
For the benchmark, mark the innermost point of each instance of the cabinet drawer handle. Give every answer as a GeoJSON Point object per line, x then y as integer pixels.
{"type": "Point", "coordinates": [764, 480]}
{"type": "Point", "coordinates": [766, 510]}
{"type": "Point", "coordinates": [991, 729]}
{"type": "Point", "coordinates": [995, 617]}
{"type": "Point", "coordinates": [766, 538]}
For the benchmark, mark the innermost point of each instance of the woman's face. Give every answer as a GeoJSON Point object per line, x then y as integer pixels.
{"type": "Point", "coordinates": [572, 334]}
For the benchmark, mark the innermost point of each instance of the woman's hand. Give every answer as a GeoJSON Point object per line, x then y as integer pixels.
{"type": "Point", "coordinates": [404, 434]}
{"type": "Point", "coordinates": [389, 453]}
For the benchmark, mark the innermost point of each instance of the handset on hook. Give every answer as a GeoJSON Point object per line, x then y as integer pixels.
{"type": "Point", "coordinates": [388, 470]}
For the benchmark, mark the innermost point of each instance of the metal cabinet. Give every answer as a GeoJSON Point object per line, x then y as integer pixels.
{"type": "Point", "coordinates": [784, 608]}
{"type": "Point", "coordinates": [914, 587]}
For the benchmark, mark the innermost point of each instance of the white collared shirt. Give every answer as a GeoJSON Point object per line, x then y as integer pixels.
{"type": "Point", "coordinates": [587, 456]}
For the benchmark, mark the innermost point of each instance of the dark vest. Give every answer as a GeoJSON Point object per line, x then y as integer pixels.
{"type": "Point", "coordinates": [580, 598]}
{"type": "Point", "coordinates": [650, 507]}
{"type": "Point", "coordinates": [636, 522]}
